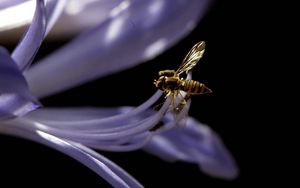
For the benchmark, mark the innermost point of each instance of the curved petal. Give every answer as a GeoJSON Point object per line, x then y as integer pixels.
{"type": "Point", "coordinates": [121, 129]}
{"type": "Point", "coordinates": [81, 15]}
{"type": "Point", "coordinates": [54, 8]}
{"type": "Point", "coordinates": [198, 144]}
{"type": "Point", "coordinates": [140, 30]}
{"type": "Point", "coordinates": [109, 171]}
{"type": "Point", "coordinates": [124, 131]}
{"type": "Point", "coordinates": [15, 99]}
{"type": "Point", "coordinates": [91, 119]}
{"type": "Point", "coordinates": [165, 149]}
{"type": "Point", "coordinates": [43, 20]}
{"type": "Point", "coordinates": [8, 3]}
{"type": "Point", "coordinates": [110, 129]}
{"type": "Point", "coordinates": [24, 53]}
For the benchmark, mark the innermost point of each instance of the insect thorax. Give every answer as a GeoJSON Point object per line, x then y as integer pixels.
{"type": "Point", "coordinates": [171, 83]}
{"type": "Point", "coordinates": [167, 73]}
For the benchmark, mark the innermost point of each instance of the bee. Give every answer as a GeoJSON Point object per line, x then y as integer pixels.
{"type": "Point", "coordinates": [170, 83]}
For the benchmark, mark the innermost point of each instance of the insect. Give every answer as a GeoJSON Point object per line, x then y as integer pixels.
{"type": "Point", "coordinates": [170, 83]}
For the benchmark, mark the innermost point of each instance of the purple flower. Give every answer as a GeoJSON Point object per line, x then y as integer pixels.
{"type": "Point", "coordinates": [147, 28]}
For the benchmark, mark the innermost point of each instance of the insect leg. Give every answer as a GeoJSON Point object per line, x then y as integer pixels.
{"type": "Point", "coordinates": [180, 109]}
{"type": "Point", "coordinates": [167, 94]}
{"type": "Point", "coordinates": [182, 102]}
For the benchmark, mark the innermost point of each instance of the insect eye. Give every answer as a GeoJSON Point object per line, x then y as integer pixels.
{"type": "Point", "coordinates": [163, 79]}
{"type": "Point", "coordinates": [161, 82]}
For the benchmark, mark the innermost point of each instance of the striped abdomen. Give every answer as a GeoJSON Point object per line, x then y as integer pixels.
{"type": "Point", "coordinates": [193, 87]}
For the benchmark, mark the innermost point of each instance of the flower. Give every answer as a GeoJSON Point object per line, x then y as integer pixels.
{"type": "Point", "coordinates": [150, 27]}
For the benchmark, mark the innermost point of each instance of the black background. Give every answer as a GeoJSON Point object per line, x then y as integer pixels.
{"type": "Point", "coordinates": [223, 69]}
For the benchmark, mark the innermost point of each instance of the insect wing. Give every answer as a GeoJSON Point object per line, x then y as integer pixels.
{"type": "Point", "coordinates": [192, 58]}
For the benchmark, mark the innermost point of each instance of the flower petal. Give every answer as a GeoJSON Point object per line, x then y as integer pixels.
{"type": "Point", "coordinates": [81, 15]}
{"type": "Point", "coordinates": [43, 20]}
{"type": "Point", "coordinates": [54, 8]}
{"type": "Point", "coordinates": [139, 31]}
{"type": "Point", "coordinates": [198, 144]}
{"type": "Point", "coordinates": [15, 99]}
{"type": "Point", "coordinates": [24, 53]}
{"type": "Point", "coordinates": [91, 119]}
{"type": "Point", "coordinates": [124, 129]}
{"type": "Point", "coordinates": [8, 3]}
{"type": "Point", "coordinates": [113, 174]}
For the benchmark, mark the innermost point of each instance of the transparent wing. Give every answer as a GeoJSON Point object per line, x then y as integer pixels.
{"type": "Point", "coordinates": [192, 58]}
